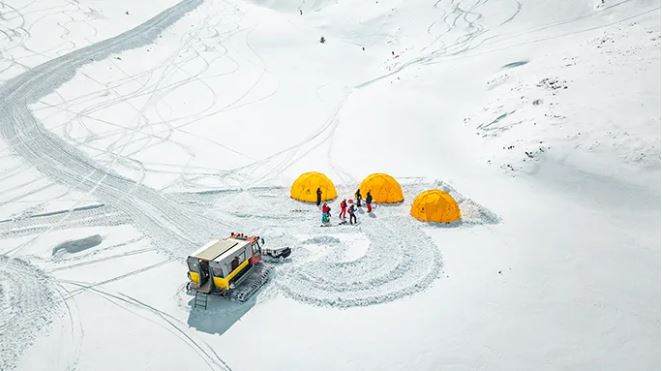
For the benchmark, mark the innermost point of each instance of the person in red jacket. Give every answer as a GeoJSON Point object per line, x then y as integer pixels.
{"type": "Point", "coordinates": [343, 209]}
{"type": "Point", "coordinates": [326, 213]}
{"type": "Point", "coordinates": [368, 201]}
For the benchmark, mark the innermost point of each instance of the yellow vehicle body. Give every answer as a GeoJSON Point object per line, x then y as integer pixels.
{"type": "Point", "coordinates": [223, 283]}
{"type": "Point", "coordinates": [194, 277]}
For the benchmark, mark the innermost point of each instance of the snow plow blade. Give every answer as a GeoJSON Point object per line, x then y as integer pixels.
{"type": "Point", "coordinates": [278, 253]}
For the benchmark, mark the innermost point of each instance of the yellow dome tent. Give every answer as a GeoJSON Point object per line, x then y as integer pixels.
{"type": "Point", "coordinates": [305, 187]}
{"type": "Point", "coordinates": [383, 188]}
{"type": "Point", "coordinates": [435, 205]}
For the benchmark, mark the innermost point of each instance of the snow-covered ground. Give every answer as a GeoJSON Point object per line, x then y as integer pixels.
{"type": "Point", "coordinates": [132, 132]}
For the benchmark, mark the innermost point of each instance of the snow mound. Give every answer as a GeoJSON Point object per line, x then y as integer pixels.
{"type": "Point", "coordinates": [473, 213]}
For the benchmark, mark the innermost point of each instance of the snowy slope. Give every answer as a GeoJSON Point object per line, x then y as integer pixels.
{"type": "Point", "coordinates": [135, 132]}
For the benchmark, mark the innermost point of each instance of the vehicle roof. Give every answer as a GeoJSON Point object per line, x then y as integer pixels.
{"type": "Point", "coordinates": [216, 249]}
{"type": "Point", "coordinates": [229, 252]}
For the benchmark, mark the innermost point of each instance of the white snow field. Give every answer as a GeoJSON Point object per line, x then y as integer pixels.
{"type": "Point", "coordinates": [132, 132]}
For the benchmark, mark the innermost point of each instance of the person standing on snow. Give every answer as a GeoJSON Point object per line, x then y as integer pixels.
{"type": "Point", "coordinates": [352, 213]}
{"type": "Point", "coordinates": [343, 209]}
{"type": "Point", "coordinates": [326, 213]}
{"type": "Point", "coordinates": [368, 201]}
{"type": "Point", "coordinates": [319, 196]}
{"type": "Point", "coordinates": [358, 197]}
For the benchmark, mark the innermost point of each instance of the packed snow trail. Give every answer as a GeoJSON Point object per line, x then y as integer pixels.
{"type": "Point", "coordinates": [172, 226]}
{"type": "Point", "coordinates": [401, 260]}
{"type": "Point", "coordinates": [28, 301]}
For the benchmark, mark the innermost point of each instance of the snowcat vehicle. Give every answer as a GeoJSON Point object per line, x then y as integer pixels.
{"type": "Point", "coordinates": [231, 267]}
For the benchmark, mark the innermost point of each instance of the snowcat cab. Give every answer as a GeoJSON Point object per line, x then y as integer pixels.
{"type": "Point", "coordinates": [231, 266]}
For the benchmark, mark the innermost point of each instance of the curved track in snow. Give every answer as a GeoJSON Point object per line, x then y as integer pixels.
{"type": "Point", "coordinates": [173, 226]}
{"type": "Point", "coordinates": [401, 260]}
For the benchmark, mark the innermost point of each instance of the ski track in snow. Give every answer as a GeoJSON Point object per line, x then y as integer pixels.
{"type": "Point", "coordinates": [32, 225]}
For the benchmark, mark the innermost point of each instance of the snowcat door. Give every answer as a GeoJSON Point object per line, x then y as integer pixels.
{"type": "Point", "coordinates": [218, 275]}
{"type": "Point", "coordinates": [193, 270]}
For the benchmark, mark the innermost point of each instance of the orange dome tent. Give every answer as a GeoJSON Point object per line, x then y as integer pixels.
{"type": "Point", "coordinates": [383, 187]}
{"type": "Point", "coordinates": [305, 187]}
{"type": "Point", "coordinates": [435, 205]}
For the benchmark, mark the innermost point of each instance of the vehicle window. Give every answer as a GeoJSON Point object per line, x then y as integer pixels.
{"type": "Point", "coordinates": [218, 271]}
{"type": "Point", "coordinates": [193, 265]}
{"type": "Point", "coordinates": [236, 261]}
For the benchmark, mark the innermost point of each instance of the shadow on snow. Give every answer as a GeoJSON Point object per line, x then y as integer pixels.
{"type": "Point", "coordinates": [221, 314]}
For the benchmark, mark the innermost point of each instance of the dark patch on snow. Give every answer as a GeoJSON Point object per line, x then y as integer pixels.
{"type": "Point", "coordinates": [552, 84]}
{"type": "Point", "coordinates": [75, 246]}
{"type": "Point", "coordinates": [515, 64]}
{"type": "Point", "coordinates": [491, 126]}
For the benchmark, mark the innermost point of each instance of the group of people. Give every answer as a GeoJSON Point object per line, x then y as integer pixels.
{"type": "Point", "coordinates": [347, 206]}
